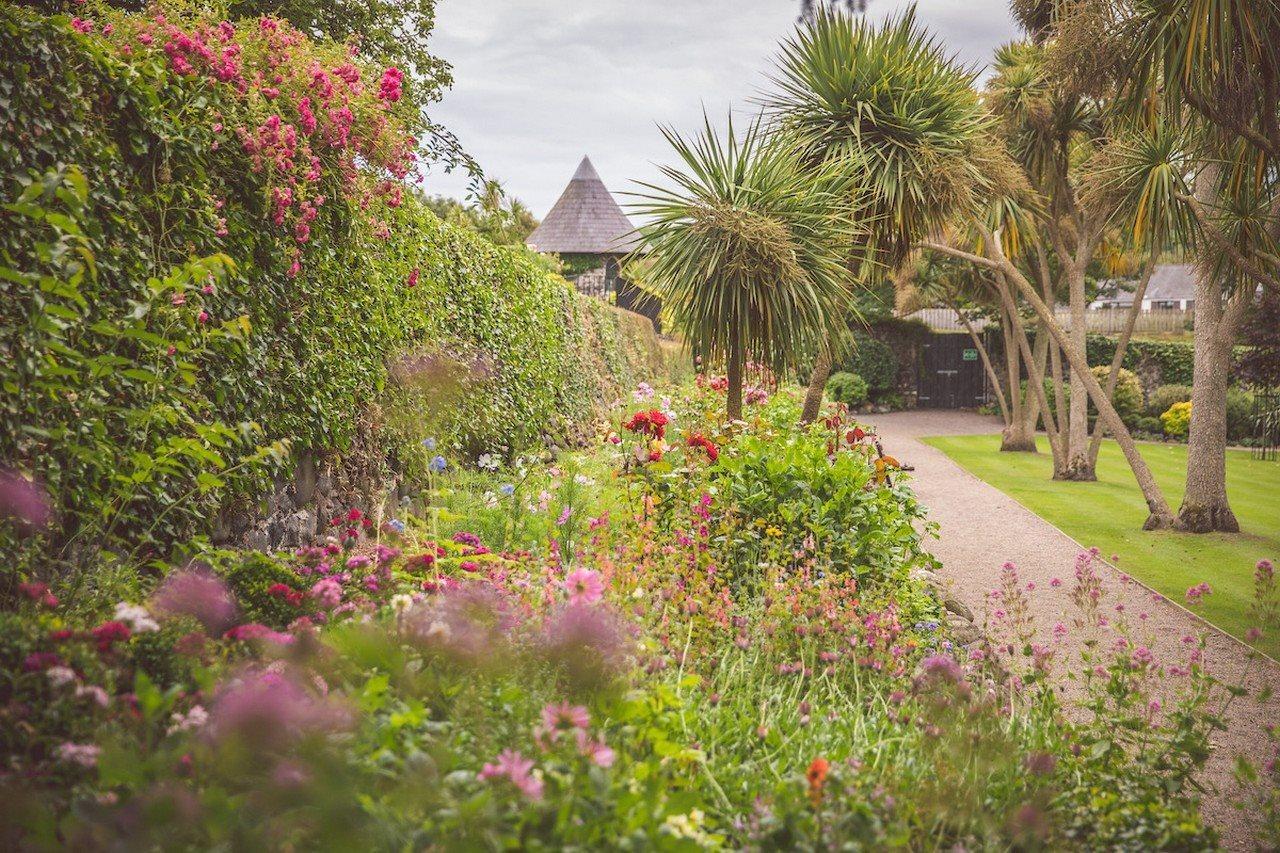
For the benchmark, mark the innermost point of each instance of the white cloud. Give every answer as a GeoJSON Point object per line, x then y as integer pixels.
{"type": "Point", "coordinates": [540, 83]}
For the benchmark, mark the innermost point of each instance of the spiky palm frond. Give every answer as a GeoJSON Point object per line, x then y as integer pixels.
{"type": "Point", "coordinates": [749, 247]}
{"type": "Point", "coordinates": [1138, 181]}
{"type": "Point", "coordinates": [888, 95]}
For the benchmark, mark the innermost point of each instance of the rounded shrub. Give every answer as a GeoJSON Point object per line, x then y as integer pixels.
{"type": "Point", "coordinates": [1165, 396]}
{"type": "Point", "coordinates": [1240, 424]}
{"type": "Point", "coordinates": [848, 388]}
{"type": "Point", "coordinates": [1177, 420]}
{"type": "Point", "coordinates": [1148, 425]}
{"type": "Point", "coordinates": [1127, 398]}
{"type": "Point", "coordinates": [875, 362]}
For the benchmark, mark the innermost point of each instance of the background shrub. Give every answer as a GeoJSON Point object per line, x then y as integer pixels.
{"type": "Point", "coordinates": [1127, 398]}
{"type": "Point", "coordinates": [875, 362]}
{"type": "Point", "coordinates": [848, 388]}
{"type": "Point", "coordinates": [1240, 424]}
{"type": "Point", "coordinates": [1177, 420]}
{"type": "Point", "coordinates": [1165, 396]}
{"type": "Point", "coordinates": [1149, 425]}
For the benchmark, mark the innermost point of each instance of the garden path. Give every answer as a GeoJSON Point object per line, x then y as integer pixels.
{"type": "Point", "coordinates": [981, 528]}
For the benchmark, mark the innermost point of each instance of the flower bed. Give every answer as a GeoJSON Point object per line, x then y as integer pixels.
{"type": "Point", "coordinates": [695, 635]}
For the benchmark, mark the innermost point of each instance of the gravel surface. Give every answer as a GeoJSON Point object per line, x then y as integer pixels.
{"type": "Point", "coordinates": [981, 528]}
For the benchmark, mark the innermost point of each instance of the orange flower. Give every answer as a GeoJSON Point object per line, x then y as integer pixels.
{"type": "Point", "coordinates": [817, 775]}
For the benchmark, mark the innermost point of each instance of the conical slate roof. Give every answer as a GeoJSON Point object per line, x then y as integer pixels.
{"type": "Point", "coordinates": [584, 220]}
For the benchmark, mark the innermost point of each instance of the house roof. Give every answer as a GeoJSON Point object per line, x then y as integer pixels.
{"type": "Point", "coordinates": [1172, 281]}
{"type": "Point", "coordinates": [585, 219]}
{"type": "Point", "coordinates": [1169, 283]}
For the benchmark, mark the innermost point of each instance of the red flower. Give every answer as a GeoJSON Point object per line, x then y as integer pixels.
{"type": "Point", "coordinates": [652, 423]}
{"type": "Point", "coordinates": [110, 632]}
{"type": "Point", "coordinates": [354, 514]}
{"type": "Point", "coordinates": [700, 440]}
{"type": "Point", "coordinates": [817, 776]}
{"type": "Point", "coordinates": [37, 661]}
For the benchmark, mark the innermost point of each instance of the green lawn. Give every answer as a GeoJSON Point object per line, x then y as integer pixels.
{"type": "Point", "coordinates": [1108, 514]}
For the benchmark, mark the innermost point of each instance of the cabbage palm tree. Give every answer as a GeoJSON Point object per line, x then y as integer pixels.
{"type": "Point", "coordinates": [1204, 76]}
{"type": "Point", "coordinates": [747, 247]}
{"type": "Point", "coordinates": [887, 96]}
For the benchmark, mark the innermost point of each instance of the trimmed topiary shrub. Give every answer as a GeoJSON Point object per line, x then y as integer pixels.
{"type": "Point", "coordinates": [848, 388]}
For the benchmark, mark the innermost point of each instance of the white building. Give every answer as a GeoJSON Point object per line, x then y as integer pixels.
{"type": "Point", "coordinates": [1171, 286]}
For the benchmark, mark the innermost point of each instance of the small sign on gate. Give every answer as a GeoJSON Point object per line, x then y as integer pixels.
{"type": "Point", "coordinates": [969, 355]}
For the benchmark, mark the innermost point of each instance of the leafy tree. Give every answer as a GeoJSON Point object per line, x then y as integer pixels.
{"type": "Point", "coordinates": [747, 248]}
{"type": "Point", "coordinates": [1204, 79]}
{"type": "Point", "coordinates": [886, 97]}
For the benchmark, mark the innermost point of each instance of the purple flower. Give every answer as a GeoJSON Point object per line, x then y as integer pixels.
{"type": "Point", "coordinates": [272, 709]}
{"type": "Point", "coordinates": [23, 499]}
{"type": "Point", "coordinates": [514, 767]}
{"type": "Point", "coordinates": [590, 641]}
{"type": "Point", "coordinates": [467, 621]}
{"type": "Point", "coordinates": [197, 592]}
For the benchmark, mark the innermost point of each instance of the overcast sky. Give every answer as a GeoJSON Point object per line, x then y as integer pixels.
{"type": "Point", "coordinates": [540, 83]}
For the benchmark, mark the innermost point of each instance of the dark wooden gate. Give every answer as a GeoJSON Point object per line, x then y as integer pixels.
{"type": "Point", "coordinates": [951, 375]}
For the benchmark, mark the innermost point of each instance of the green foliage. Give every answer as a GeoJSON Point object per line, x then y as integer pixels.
{"type": "Point", "coordinates": [1173, 360]}
{"type": "Point", "coordinates": [847, 388]}
{"type": "Point", "coordinates": [747, 247]}
{"type": "Point", "coordinates": [1127, 398]}
{"type": "Point", "coordinates": [170, 338]}
{"type": "Point", "coordinates": [1165, 396]}
{"type": "Point", "coordinates": [251, 575]}
{"type": "Point", "coordinates": [1240, 415]}
{"type": "Point", "coordinates": [885, 97]}
{"type": "Point", "coordinates": [1149, 425]}
{"type": "Point", "coordinates": [875, 361]}
{"type": "Point", "coordinates": [1177, 420]}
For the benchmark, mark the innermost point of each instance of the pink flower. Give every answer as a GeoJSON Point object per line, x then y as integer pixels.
{"type": "Point", "coordinates": [327, 593]}
{"type": "Point", "coordinates": [390, 88]}
{"type": "Point", "coordinates": [80, 25]}
{"type": "Point", "coordinates": [196, 592]}
{"type": "Point", "coordinates": [595, 750]}
{"type": "Point", "coordinates": [584, 586]}
{"type": "Point", "coordinates": [514, 767]}
{"type": "Point", "coordinates": [255, 631]}
{"type": "Point", "coordinates": [563, 717]}
{"type": "Point", "coordinates": [84, 754]}
{"type": "Point", "coordinates": [1196, 594]}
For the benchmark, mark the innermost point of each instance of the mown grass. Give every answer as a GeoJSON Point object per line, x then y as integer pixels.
{"type": "Point", "coordinates": [1108, 514]}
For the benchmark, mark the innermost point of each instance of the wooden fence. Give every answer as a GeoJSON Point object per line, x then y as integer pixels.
{"type": "Point", "coordinates": [1103, 321]}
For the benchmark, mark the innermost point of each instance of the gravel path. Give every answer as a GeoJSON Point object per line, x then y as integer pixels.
{"type": "Point", "coordinates": [981, 528]}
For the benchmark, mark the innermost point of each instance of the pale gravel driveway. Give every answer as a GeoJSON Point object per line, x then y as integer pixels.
{"type": "Point", "coordinates": [981, 528]}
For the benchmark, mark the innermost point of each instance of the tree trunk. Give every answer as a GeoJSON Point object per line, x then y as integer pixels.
{"type": "Point", "coordinates": [1034, 379]}
{"type": "Point", "coordinates": [734, 407]}
{"type": "Point", "coordinates": [817, 385]}
{"type": "Point", "coordinates": [1019, 435]}
{"type": "Point", "coordinates": [1122, 344]}
{"type": "Point", "coordinates": [1161, 517]}
{"type": "Point", "coordinates": [1078, 466]}
{"type": "Point", "coordinates": [1204, 504]}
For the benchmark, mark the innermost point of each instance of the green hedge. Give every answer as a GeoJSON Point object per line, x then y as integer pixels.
{"type": "Point", "coordinates": [1173, 359]}
{"type": "Point", "coordinates": [163, 353]}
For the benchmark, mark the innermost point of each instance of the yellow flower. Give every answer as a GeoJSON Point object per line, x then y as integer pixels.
{"type": "Point", "coordinates": [773, 531]}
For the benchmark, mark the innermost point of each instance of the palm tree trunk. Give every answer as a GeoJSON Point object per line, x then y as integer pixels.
{"type": "Point", "coordinates": [1161, 517]}
{"type": "Point", "coordinates": [1020, 435]}
{"type": "Point", "coordinates": [1035, 379]}
{"type": "Point", "coordinates": [734, 377]}
{"type": "Point", "coordinates": [817, 385]}
{"type": "Point", "coordinates": [1078, 466]}
{"type": "Point", "coordinates": [1122, 345]}
{"type": "Point", "coordinates": [1204, 504]}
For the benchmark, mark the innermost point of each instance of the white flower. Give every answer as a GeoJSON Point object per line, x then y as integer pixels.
{"type": "Point", "coordinates": [60, 676]}
{"type": "Point", "coordinates": [402, 602]}
{"type": "Point", "coordinates": [193, 719]}
{"type": "Point", "coordinates": [93, 693]}
{"type": "Point", "coordinates": [438, 630]}
{"type": "Point", "coordinates": [84, 754]}
{"type": "Point", "coordinates": [583, 480]}
{"type": "Point", "coordinates": [488, 462]}
{"type": "Point", "coordinates": [136, 617]}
